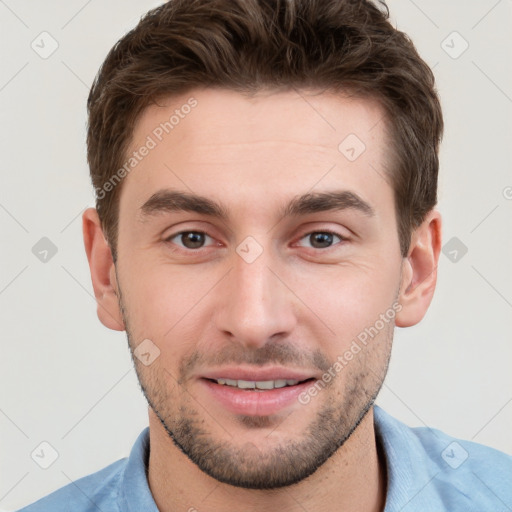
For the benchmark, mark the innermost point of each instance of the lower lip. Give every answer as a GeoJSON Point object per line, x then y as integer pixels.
{"type": "Point", "coordinates": [255, 403]}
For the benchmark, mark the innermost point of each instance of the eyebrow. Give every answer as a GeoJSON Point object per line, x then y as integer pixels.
{"type": "Point", "coordinates": [166, 201]}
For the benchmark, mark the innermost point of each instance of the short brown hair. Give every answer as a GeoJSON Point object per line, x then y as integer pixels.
{"type": "Point", "coordinates": [249, 45]}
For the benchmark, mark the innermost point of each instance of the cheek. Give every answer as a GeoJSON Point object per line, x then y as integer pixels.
{"type": "Point", "coordinates": [162, 299]}
{"type": "Point", "coordinates": [348, 298]}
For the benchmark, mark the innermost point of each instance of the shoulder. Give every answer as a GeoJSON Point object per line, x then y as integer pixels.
{"type": "Point", "coordinates": [444, 471]}
{"type": "Point", "coordinates": [483, 475]}
{"type": "Point", "coordinates": [97, 491]}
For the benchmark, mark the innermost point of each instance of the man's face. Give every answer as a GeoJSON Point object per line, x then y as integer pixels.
{"type": "Point", "coordinates": [271, 292]}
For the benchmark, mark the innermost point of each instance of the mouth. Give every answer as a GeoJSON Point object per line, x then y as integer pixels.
{"type": "Point", "coordinates": [259, 385]}
{"type": "Point", "coordinates": [256, 397]}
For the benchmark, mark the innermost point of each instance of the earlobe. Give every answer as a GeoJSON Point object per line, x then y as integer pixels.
{"type": "Point", "coordinates": [102, 270]}
{"type": "Point", "coordinates": [419, 271]}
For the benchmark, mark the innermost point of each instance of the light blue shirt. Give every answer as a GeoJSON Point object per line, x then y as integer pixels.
{"type": "Point", "coordinates": [427, 471]}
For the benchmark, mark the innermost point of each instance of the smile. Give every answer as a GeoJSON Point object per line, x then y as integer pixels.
{"type": "Point", "coordinates": [259, 384]}
{"type": "Point", "coordinates": [255, 397]}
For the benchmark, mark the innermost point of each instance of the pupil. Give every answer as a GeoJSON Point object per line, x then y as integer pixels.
{"type": "Point", "coordinates": [322, 238]}
{"type": "Point", "coordinates": [193, 240]}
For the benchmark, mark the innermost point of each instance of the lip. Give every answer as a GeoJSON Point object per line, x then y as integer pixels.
{"type": "Point", "coordinates": [255, 403]}
{"type": "Point", "coordinates": [270, 373]}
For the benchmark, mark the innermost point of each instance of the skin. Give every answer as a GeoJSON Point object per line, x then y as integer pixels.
{"type": "Point", "coordinates": [298, 303]}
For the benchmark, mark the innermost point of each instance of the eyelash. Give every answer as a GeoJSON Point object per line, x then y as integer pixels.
{"type": "Point", "coordinates": [323, 231]}
{"type": "Point", "coordinates": [341, 237]}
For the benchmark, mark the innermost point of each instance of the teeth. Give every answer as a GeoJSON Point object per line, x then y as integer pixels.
{"type": "Point", "coordinates": [246, 384]}
{"type": "Point", "coordinates": [261, 384]}
{"type": "Point", "coordinates": [265, 384]}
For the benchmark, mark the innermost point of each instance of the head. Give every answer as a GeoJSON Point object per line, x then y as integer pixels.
{"type": "Point", "coordinates": [266, 177]}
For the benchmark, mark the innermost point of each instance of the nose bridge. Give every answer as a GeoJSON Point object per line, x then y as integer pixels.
{"type": "Point", "coordinates": [255, 304]}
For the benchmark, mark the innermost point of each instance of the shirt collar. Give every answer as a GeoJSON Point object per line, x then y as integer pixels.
{"type": "Point", "coordinates": [408, 468]}
{"type": "Point", "coordinates": [135, 494]}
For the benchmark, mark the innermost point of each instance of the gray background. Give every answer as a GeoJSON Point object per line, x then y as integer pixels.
{"type": "Point", "coordinates": [67, 380]}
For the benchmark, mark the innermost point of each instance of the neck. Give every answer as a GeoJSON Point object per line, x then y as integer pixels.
{"type": "Point", "coordinates": [353, 479]}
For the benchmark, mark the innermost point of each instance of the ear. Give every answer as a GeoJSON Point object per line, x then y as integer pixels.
{"type": "Point", "coordinates": [103, 272]}
{"type": "Point", "coordinates": [419, 271]}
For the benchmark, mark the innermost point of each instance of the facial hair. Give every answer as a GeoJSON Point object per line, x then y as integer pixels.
{"type": "Point", "coordinates": [257, 467]}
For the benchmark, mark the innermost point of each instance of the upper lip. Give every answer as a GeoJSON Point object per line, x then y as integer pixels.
{"type": "Point", "coordinates": [260, 374]}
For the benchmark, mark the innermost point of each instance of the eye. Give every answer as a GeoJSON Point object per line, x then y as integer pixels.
{"type": "Point", "coordinates": [196, 239]}
{"type": "Point", "coordinates": [322, 239]}
{"type": "Point", "coordinates": [189, 239]}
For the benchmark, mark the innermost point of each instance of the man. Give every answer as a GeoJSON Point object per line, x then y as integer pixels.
{"type": "Point", "coordinates": [266, 182]}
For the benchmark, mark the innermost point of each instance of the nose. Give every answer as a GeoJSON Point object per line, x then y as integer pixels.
{"type": "Point", "coordinates": [254, 304]}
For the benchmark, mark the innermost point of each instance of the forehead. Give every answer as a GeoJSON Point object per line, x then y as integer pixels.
{"type": "Point", "coordinates": [324, 117]}
{"type": "Point", "coordinates": [271, 146]}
